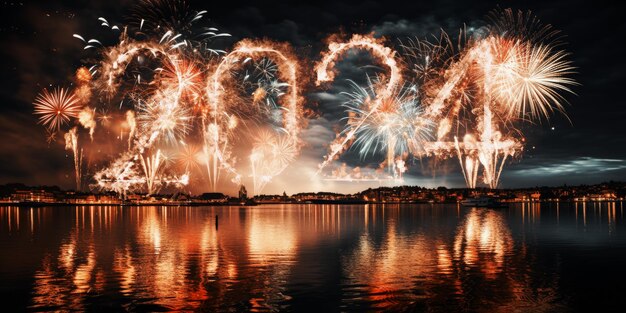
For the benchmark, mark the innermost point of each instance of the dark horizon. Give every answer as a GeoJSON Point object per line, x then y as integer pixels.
{"type": "Point", "coordinates": [618, 186]}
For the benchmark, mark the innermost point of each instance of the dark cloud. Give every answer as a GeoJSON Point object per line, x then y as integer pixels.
{"type": "Point", "coordinates": [27, 158]}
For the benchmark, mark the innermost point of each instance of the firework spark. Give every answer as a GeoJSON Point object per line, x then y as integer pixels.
{"type": "Point", "coordinates": [56, 108]}
{"type": "Point", "coordinates": [271, 155]}
{"type": "Point", "coordinates": [528, 83]}
{"type": "Point", "coordinates": [189, 157]}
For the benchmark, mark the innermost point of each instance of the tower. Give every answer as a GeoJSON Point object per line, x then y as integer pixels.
{"type": "Point", "coordinates": [243, 193]}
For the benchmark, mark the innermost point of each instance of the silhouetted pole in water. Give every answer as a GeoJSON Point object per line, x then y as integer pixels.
{"type": "Point", "coordinates": [216, 221]}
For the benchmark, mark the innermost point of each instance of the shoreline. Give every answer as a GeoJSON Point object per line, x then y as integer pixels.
{"type": "Point", "coordinates": [197, 204]}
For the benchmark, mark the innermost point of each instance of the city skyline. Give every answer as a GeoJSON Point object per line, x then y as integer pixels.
{"type": "Point", "coordinates": [549, 157]}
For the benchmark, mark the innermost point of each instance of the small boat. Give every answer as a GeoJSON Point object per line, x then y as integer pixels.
{"type": "Point", "coordinates": [482, 202]}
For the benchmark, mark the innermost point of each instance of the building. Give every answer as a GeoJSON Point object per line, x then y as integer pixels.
{"type": "Point", "coordinates": [212, 197]}
{"type": "Point", "coordinates": [33, 196]}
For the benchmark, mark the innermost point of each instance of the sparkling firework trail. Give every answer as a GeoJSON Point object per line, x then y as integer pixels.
{"type": "Point", "coordinates": [71, 144]}
{"type": "Point", "coordinates": [152, 167]}
{"type": "Point", "coordinates": [160, 77]}
{"type": "Point", "coordinates": [270, 155]}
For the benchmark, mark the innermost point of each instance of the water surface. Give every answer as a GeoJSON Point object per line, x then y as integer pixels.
{"type": "Point", "coordinates": [529, 258]}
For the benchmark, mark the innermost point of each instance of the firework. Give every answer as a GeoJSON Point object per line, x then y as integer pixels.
{"type": "Point", "coordinates": [270, 156]}
{"type": "Point", "coordinates": [498, 77]}
{"type": "Point", "coordinates": [396, 128]}
{"type": "Point", "coordinates": [86, 117]}
{"type": "Point", "coordinates": [152, 167]}
{"type": "Point", "coordinates": [277, 62]}
{"type": "Point", "coordinates": [71, 144]}
{"type": "Point", "coordinates": [372, 109]}
{"type": "Point", "coordinates": [163, 88]}
{"type": "Point", "coordinates": [528, 83]}
{"type": "Point", "coordinates": [189, 157]}
{"type": "Point", "coordinates": [164, 118]}
{"type": "Point", "coordinates": [56, 108]}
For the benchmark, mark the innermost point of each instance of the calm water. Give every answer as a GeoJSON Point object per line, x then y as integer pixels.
{"type": "Point", "coordinates": [528, 258]}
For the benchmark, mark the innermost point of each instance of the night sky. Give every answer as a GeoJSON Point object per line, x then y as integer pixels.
{"type": "Point", "coordinates": [588, 146]}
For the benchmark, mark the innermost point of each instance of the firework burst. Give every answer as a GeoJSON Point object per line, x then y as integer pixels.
{"type": "Point", "coordinates": [398, 127]}
{"type": "Point", "coordinates": [528, 83]}
{"type": "Point", "coordinates": [56, 108]}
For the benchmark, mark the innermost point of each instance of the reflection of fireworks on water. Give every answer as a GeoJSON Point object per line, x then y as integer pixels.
{"type": "Point", "coordinates": [56, 108]}
{"type": "Point", "coordinates": [483, 241]}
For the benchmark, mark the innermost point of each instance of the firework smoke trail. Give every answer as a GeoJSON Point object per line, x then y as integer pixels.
{"type": "Point", "coordinates": [86, 117]}
{"type": "Point", "coordinates": [325, 74]}
{"type": "Point", "coordinates": [219, 123]}
{"type": "Point", "coordinates": [71, 143]}
{"type": "Point", "coordinates": [132, 125]}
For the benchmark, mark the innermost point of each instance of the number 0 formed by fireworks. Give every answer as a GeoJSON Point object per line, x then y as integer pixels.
{"type": "Point", "coordinates": [220, 124]}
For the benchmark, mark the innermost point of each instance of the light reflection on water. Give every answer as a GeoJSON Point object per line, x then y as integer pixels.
{"type": "Point", "coordinates": [300, 257]}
